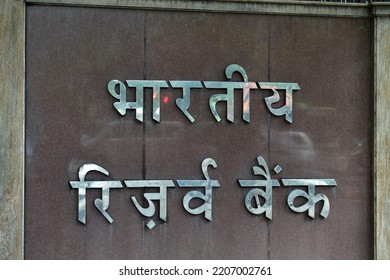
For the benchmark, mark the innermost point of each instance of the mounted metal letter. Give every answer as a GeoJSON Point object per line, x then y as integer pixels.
{"type": "Point", "coordinates": [310, 195]}
{"type": "Point", "coordinates": [138, 104]}
{"type": "Point", "coordinates": [161, 196]}
{"type": "Point", "coordinates": [287, 108]}
{"type": "Point", "coordinates": [184, 103]}
{"type": "Point", "coordinates": [208, 184]}
{"type": "Point", "coordinates": [82, 185]}
{"type": "Point", "coordinates": [229, 96]}
{"type": "Point", "coordinates": [268, 183]}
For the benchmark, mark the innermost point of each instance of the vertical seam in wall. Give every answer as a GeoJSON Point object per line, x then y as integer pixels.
{"type": "Point", "coordinates": [144, 128]}
{"type": "Point", "coordinates": [375, 134]}
{"type": "Point", "coordinates": [143, 123]}
{"type": "Point", "coordinates": [269, 136]}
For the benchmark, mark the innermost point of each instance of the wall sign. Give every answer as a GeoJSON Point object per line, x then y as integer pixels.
{"type": "Point", "coordinates": [214, 103]}
{"type": "Point", "coordinates": [184, 103]}
{"type": "Point", "coordinates": [252, 198]}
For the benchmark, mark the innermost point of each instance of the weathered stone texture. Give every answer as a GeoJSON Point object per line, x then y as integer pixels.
{"type": "Point", "coordinates": [11, 128]}
{"type": "Point", "coordinates": [382, 137]}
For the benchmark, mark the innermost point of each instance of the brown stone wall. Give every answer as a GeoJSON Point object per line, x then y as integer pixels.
{"type": "Point", "coordinates": [72, 54]}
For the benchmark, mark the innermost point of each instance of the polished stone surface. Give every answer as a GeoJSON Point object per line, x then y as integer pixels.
{"type": "Point", "coordinates": [73, 53]}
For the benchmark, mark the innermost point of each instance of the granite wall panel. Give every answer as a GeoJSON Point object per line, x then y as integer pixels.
{"type": "Point", "coordinates": [72, 54]}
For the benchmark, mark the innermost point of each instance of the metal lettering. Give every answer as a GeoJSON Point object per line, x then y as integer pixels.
{"type": "Point", "coordinates": [82, 185]}
{"type": "Point", "coordinates": [252, 199]}
{"type": "Point", "coordinates": [310, 195]}
{"type": "Point", "coordinates": [161, 196]}
{"type": "Point", "coordinates": [207, 197]}
{"type": "Point", "coordinates": [287, 108]}
{"type": "Point", "coordinates": [229, 95]}
{"type": "Point", "coordinates": [268, 183]}
{"type": "Point", "coordinates": [184, 103]}
{"type": "Point", "coordinates": [138, 104]}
